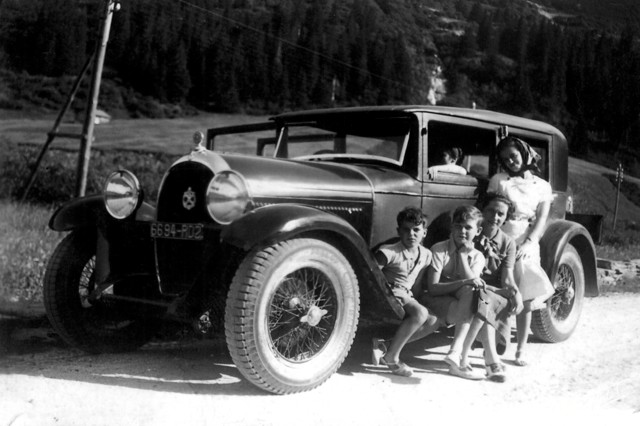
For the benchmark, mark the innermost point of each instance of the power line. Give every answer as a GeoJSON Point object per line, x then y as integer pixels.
{"type": "Point", "coordinates": [292, 44]}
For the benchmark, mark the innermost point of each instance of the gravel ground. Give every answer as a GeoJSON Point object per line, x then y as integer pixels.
{"type": "Point", "coordinates": [594, 376]}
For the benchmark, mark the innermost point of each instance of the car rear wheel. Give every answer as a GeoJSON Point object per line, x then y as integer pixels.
{"type": "Point", "coordinates": [291, 314]}
{"type": "Point", "coordinates": [89, 325]}
{"type": "Point", "coordinates": [558, 320]}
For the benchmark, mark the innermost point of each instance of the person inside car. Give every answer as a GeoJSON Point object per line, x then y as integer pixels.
{"type": "Point", "coordinates": [448, 161]}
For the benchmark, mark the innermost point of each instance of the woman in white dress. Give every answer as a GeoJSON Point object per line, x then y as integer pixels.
{"type": "Point", "coordinates": [531, 196]}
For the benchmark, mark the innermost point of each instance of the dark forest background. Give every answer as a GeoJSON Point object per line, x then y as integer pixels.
{"type": "Point", "coordinates": [573, 64]}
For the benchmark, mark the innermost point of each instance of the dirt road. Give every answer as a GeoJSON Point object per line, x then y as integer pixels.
{"type": "Point", "coordinates": [594, 377]}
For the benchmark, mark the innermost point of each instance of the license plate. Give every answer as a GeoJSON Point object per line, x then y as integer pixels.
{"type": "Point", "coordinates": [177, 231]}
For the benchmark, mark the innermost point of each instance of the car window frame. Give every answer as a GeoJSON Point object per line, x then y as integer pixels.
{"type": "Point", "coordinates": [454, 120]}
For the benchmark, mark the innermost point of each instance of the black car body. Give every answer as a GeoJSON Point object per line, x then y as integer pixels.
{"type": "Point", "coordinates": [277, 237]}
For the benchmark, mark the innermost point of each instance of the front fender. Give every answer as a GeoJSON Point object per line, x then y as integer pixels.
{"type": "Point", "coordinates": [558, 234]}
{"type": "Point", "coordinates": [270, 224]}
{"type": "Point", "coordinates": [86, 212]}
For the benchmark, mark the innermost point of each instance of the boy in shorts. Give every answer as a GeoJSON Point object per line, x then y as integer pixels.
{"type": "Point", "coordinates": [452, 279]}
{"type": "Point", "coordinates": [402, 264]}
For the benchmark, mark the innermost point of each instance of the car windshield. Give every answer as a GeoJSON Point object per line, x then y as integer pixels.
{"type": "Point", "coordinates": [380, 139]}
{"type": "Point", "coordinates": [361, 138]}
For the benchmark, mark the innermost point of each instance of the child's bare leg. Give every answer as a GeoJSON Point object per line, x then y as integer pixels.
{"type": "Point", "coordinates": [523, 322]}
{"type": "Point", "coordinates": [474, 328]}
{"type": "Point", "coordinates": [462, 329]}
{"type": "Point", "coordinates": [459, 314]}
{"type": "Point", "coordinates": [429, 326]}
{"type": "Point", "coordinates": [416, 315]}
{"type": "Point", "coordinates": [488, 339]}
{"type": "Point", "coordinates": [494, 367]}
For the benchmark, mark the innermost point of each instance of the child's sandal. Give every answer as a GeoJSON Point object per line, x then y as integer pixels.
{"type": "Point", "coordinates": [399, 368]}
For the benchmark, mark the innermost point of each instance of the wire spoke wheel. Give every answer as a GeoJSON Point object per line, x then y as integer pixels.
{"type": "Point", "coordinates": [291, 315]}
{"type": "Point", "coordinates": [558, 320]}
{"type": "Point", "coordinates": [91, 325]}
{"type": "Point", "coordinates": [563, 299]}
{"type": "Point", "coordinates": [302, 314]}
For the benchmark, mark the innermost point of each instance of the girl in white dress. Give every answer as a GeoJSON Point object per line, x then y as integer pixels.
{"type": "Point", "coordinates": [532, 198]}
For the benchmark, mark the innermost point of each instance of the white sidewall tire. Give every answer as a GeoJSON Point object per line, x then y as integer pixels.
{"type": "Point", "coordinates": [545, 324]}
{"type": "Point", "coordinates": [259, 276]}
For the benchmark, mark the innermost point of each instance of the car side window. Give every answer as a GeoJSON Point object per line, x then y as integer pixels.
{"type": "Point", "coordinates": [471, 147]}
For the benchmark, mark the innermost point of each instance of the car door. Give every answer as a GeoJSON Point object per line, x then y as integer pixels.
{"type": "Point", "coordinates": [443, 191]}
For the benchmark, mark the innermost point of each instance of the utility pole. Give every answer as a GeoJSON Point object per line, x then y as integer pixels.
{"type": "Point", "coordinates": [619, 178]}
{"type": "Point", "coordinates": [86, 137]}
{"type": "Point", "coordinates": [89, 122]}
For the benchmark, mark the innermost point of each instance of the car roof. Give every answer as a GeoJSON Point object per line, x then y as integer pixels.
{"type": "Point", "coordinates": [469, 113]}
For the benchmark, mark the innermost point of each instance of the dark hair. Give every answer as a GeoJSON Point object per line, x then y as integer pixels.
{"type": "Point", "coordinates": [530, 158]}
{"type": "Point", "coordinates": [455, 153]}
{"type": "Point", "coordinates": [464, 213]}
{"type": "Point", "coordinates": [413, 215]}
{"type": "Point", "coordinates": [494, 196]}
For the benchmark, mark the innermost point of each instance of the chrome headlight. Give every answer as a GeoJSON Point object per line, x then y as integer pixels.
{"type": "Point", "coordinates": [227, 197]}
{"type": "Point", "coordinates": [121, 194]}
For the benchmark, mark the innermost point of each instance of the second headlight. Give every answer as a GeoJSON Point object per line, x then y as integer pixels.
{"type": "Point", "coordinates": [227, 197]}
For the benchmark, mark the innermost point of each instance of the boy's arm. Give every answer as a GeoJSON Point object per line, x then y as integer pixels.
{"type": "Point", "coordinates": [470, 270]}
{"type": "Point", "coordinates": [509, 283]}
{"type": "Point", "coordinates": [437, 288]}
{"type": "Point", "coordinates": [381, 259]}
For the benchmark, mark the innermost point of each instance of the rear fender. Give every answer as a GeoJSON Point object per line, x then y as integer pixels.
{"type": "Point", "coordinates": [88, 211]}
{"type": "Point", "coordinates": [558, 234]}
{"type": "Point", "coordinates": [271, 224]}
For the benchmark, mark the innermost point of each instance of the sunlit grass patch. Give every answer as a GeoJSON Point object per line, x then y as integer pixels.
{"type": "Point", "coordinates": [25, 247]}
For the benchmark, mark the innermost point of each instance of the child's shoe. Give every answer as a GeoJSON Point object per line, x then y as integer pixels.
{"type": "Point", "coordinates": [466, 372]}
{"type": "Point", "coordinates": [379, 348]}
{"type": "Point", "coordinates": [495, 373]}
{"type": "Point", "coordinates": [399, 369]}
{"type": "Point", "coordinates": [453, 359]}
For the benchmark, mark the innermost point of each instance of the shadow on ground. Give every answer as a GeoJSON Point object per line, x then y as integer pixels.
{"type": "Point", "coordinates": [180, 362]}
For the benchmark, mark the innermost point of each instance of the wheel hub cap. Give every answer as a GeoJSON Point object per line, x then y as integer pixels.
{"type": "Point", "coordinates": [313, 316]}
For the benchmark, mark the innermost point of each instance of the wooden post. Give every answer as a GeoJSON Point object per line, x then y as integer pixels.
{"type": "Point", "coordinates": [54, 130]}
{"type": "Point", "coordinates": [89, 121]}
{"type": "Point", "coordinates": [619, 178]}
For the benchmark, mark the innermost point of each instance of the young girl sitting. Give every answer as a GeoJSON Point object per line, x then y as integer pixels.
{"type": "Point", "coordinates": [531, 196]}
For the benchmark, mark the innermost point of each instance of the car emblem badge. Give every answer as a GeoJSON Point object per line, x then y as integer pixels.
{"type": "Point", "coordinates": [189, 199]}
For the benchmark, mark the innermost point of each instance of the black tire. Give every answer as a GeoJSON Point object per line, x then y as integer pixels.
{"type": "Point", "coordinates": [291, 315]}
{"type": "Point", "coordinates": [558, 320]}
{"type": "Point", "coordinates": [68, 280]}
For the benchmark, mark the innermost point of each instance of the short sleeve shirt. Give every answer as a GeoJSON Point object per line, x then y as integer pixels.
{"type": "Point", "coordinates": [499, 253]}
{"type": "Point", "coordinates": [402, 267]}
{"type": "Point", "coordinates": [524, 192]}
{"type": "Point", "coordinates": [446, 263]}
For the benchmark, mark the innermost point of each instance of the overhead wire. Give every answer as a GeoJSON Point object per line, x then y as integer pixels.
{"type": "Point", "coordinates": [293, 45]}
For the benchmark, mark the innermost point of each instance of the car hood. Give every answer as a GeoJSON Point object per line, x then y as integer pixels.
{"type": "Point", "coordinates": [279, 178]}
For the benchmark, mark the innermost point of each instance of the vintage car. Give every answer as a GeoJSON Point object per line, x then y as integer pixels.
{"type": "Point", "coordinates": [269, 229]}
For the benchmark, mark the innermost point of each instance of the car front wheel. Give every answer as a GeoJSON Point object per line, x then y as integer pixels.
{"type": "Point", "coordinates": [89, 325]}
{"type": "Point", "coordinates": [558, 320]}
{"type": "Point", "coordinates": [291, 314]}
